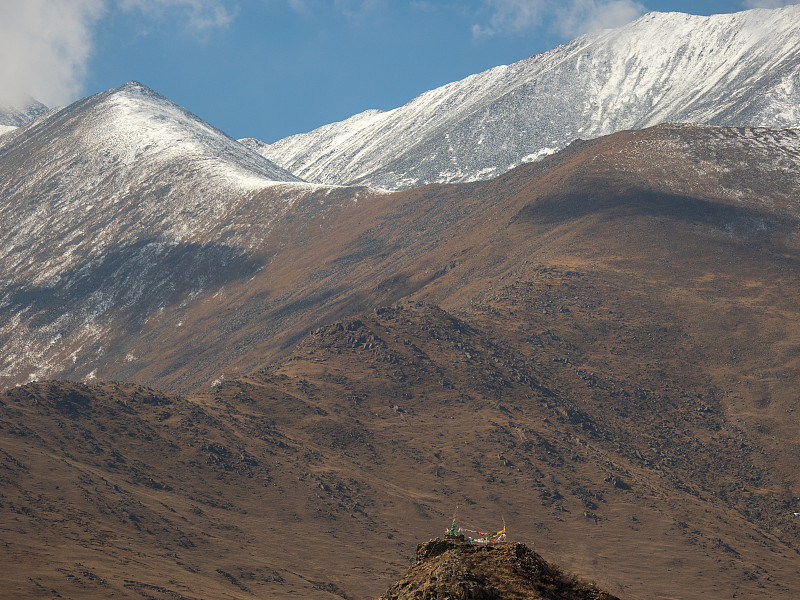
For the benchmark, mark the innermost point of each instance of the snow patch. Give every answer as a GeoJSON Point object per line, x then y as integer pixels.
{"type": "Point", "coordinates": [539, 154]}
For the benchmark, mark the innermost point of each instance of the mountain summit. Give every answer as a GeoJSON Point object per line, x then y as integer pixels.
{"type": "Point", "coordinates": [121, 165]}
{"type": "Point", "coordinates": [120, 199]}
{"type": "Point", "coordinates": [739, 69]}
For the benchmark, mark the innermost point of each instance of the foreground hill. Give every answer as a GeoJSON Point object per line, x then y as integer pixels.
{"type": "Point", "coordinates": [364, 439]}
{"type": "Point", "coordinates": [739, 69]}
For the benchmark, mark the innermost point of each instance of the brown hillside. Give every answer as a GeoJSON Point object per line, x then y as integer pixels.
{"type": "Point", "coordinates": [601, 347]}
{"type": "Point", "coordinates": [670, 204]}
{"type": "Point", "coordinates": [632, 203]}
{"type": "Point", "coordinates": [361, 443]}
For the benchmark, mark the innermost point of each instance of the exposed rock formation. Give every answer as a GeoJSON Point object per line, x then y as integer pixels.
{"type": "Point", "coordinates": [450, 570]}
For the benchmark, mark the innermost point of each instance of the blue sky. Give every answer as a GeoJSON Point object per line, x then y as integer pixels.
{"type": "Point", "coordinates": [271, 68]}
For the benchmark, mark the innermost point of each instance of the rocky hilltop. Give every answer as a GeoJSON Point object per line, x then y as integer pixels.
{"type": "Point", "coordinates": [511, 571]}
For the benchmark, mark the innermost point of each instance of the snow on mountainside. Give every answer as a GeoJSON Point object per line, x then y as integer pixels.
{"type": "Point", "coordinates": [125, 154]}
{"type": "Point", "coordinates": [120, 199]}
{"type": "Point", "coordinates": [739, 69]}
{"type": "Point", "coordinates": [106, 147]}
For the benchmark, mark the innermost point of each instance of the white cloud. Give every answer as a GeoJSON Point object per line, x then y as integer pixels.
{"type": "Point", "coordinates": [512, 16]}
{"type": "Point", "coordinates": [300, 6]}
{"type": "Point", "coordinates": [768, 3]}
{"type": "Point", "coordinates": [199, 15]}
{"type": "Point", "coordinates": [45, 45]}
{"type": "Point", "coordinates": [353, 10]}
{"type": "Point", "coordinates": [585, 16]}
{"type": "Point", "coordinates": [358, 11]}
{"type": "Point", "coordinates": [569, 18]}
{"type": "Point", "coordinates": [422, 5]}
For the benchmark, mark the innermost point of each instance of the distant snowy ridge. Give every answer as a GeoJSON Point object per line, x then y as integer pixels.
{"type": "Point", "coordinates": [13, 115]}
{"type": "Point", "coordinates": [731, 69]}
{"type": "Point", "coordinates": [19, 113]}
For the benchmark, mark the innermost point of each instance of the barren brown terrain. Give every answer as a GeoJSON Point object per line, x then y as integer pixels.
{"type": "Point", "coordinates": [600, 348]}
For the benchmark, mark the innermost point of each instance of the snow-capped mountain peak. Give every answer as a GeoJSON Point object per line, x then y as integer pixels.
{"type": "Point", "coordinates": [16, 113]}
{"type": "Point", "coordinates": [139, 126]}
{"type": "Point", "coordinates": [128, 154]}
{"type": "Point", "coordinates": [122, 152]}
{"type": "Point", "coordinates": [132, 197]}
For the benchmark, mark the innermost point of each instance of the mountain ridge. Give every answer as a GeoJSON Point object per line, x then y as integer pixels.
{"type": "Point", "coordinates": [14, 114]}
{"type": "Point", "coordinates": [290, 257]}
{"type": "Point", "coordinates": [485, 124]}
{"type": "Point", "coordinates": [600, 346]}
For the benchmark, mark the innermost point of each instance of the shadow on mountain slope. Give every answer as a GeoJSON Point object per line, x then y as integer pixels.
{"type": "Point", "coordinates": [110, 299]}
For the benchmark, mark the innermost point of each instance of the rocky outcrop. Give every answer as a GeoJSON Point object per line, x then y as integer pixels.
{"type": "Point", "coordinates": [451, 570]}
